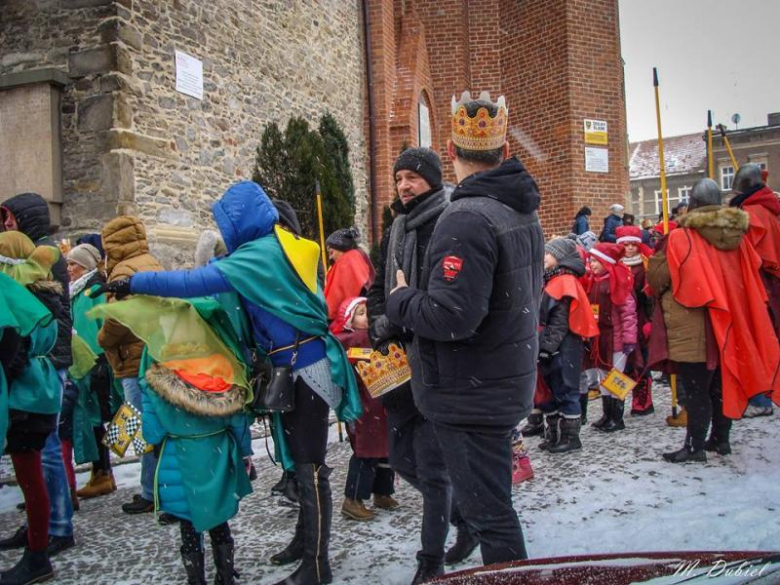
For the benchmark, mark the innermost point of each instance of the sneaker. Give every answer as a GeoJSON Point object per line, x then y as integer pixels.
{"type": "Point", "coordinates": [356, 510]}
{"type": "Point", "coordinates": [17, 540]}
{"type": "Point", "coordinates": [139, 505]}
{"type": "Point", "coordinates": [386, 502]}
{"type": "Point", "coordinates": [57, 544]}
{"type": "Point", "coordinates": [752, 411]}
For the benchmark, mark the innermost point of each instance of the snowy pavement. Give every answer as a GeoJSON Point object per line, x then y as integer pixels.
{"type": "Point", "coordinates": [616, 495]}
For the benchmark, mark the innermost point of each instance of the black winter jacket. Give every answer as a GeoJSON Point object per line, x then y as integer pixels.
{"type": "Point", "coordinates": [32, 216]}
{"type": "Point", "coordinates": [553, 314]}
{"type": "Point", "coordinates": [475, 316]}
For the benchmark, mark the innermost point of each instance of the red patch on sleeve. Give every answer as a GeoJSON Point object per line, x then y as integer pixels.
{"type": "Point", "coordinates": [451, 265]}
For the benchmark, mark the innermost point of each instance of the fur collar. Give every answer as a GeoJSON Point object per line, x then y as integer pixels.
{"type": "Point", "coordinates": [173, 389]}
{"type": "Point", "coordinates": [714, 216]}
{"type": "Point", "coordinates": [44, 286]}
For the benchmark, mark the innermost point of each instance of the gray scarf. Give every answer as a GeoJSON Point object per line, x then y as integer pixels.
{"type": "Point", "coordinates": [402, 246]}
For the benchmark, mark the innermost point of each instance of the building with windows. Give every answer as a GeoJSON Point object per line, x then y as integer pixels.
{"type": "Point", "coordinates": [759, 145]}
{"type": "Point", "coordinates": [686, 163]}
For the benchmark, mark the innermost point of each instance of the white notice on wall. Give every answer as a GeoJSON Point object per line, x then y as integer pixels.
{"type": "Point", "coordinates": [596, 160]}
{"type": "Point", "coordinates": [189, 75]}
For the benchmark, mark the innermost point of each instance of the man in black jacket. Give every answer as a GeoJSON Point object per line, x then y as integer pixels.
{"type": "Point", "coordinates": [413, 449]}
{"type": "Point", "coordinates": [29, 214]}
{"type": "Point", "coordinates": [474, 318]}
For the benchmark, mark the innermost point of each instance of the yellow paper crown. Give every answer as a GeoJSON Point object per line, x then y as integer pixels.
{"type": "Point", "coordinates": [480, 132]}
{"type": "Point", "coordinates": [383, 373]}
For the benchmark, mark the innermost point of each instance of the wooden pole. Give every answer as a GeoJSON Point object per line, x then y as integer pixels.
{"type": "Point", "coordinates": [321, 222]}
{"type": "Point", "coordinates": [727, 144]}
{"type": "Point", "coordinates": [664, 203]}
{"type": "Point", "coordinates": [710, 155]}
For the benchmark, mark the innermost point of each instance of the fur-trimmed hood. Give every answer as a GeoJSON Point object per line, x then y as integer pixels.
{"type": "Point", "coordinates": [210, 245]}
{"type": "Point", "coordinates": [723, 227]}
{"type": "Point", "coordinates": [173, 389]}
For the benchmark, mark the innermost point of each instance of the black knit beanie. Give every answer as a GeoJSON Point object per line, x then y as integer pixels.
{"type": "Point", "coordinates": [423, 161]}
{"type": "Point", "coordinates": [345, 239]}
{"type": "Point", "coordinates": [287, 216]}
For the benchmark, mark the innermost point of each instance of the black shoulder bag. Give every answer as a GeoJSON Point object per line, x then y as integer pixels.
{"type": "Point", "coordinates": [274, 387]}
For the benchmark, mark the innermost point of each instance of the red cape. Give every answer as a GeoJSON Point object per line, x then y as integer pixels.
{"type": "Point", "coordinates": [764, 209]}
{"type": "Point", "coordinates": [728, 284]}
{"type": "Point", "coordinates": [351, 275]}
{"type": "Point", "coordinates": [581, 319]}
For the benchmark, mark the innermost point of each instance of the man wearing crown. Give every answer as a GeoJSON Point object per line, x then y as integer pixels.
{"type": "Point", "coordinates": [474, 318]}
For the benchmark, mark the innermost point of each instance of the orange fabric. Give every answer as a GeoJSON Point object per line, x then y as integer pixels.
{"type": "Point", "coordinates": [764, 208]}
{"type": "Point", "coordinates": [581, 319]}
{"type": "Point", "coordinates": [728, 285]}
{"type": "Point", "coordinates": [219, 378]}
{"type": "Point", "coordinates": [349, 276]}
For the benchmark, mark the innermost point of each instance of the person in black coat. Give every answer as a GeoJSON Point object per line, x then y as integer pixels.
{"type": "Point", "coordinates": [475, 317]}
{"type": "Point", "coordinates": [29, 214]}
{"type": "Point", "coordinates": [413, 449]}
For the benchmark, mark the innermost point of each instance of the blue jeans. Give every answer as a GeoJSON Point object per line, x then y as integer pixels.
{"type": "Point", "coordinates": [149, 461]}
{"type": "Point", "coordinates": [60, 504]}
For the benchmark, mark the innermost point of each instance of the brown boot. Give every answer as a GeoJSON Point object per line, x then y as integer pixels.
{"type": "Point", "coordinates": [386, 502]}
{"type": "Point", "coordinates": [356, 510]}
{"type": "Point", "coordinates": [101, 484]}
{"type": "Point", "coordinates": [680, 421]}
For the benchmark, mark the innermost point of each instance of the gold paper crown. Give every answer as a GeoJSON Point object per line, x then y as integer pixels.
{"type": "Point", "coordinates": [480, 132]}
{"type": "Point", "coordinates": [383, 373]}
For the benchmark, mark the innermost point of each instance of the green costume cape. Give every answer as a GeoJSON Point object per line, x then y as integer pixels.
{"type": "Point", "coordinates": [21, 311]}
{"type": "Point", "coordinates": [261, 273]}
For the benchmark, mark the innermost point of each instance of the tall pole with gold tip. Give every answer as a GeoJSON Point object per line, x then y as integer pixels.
{"type": "Point", "coordinates": [665, 205]}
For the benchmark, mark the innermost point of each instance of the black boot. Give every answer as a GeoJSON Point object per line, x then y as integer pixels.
{"type": "Point", "coordinates": [17, 540]}
{"type": "Point", "coordinates": [716, 445]}
{"type": "Point", "coordinates": [279, 485]}
{"type": "Point", "coordinates": [552, 431]}
{"type": "Point", "coordinates": [534, 425]}
{"type": "Point", "coordinates": [294, 550]}
{"type": "Point", "coordinates": [427, 570]}
{"type": "Point", "coordinates": [34, 567]}
{"type": "Point", "coordinates": [570, 436]}
{"type": "Point", "coordinates": [605, 407]}
{"type": "Point", "coordinates": [463, 547]}
{"type": "Point", "coordinates": [687, 453]}
{"type": "Point", "coordinates": [317, 506]}
{"type": "Point", "coordinates": [223, 561]}
{"type": "Point", "coordinates": [290, 490]}
{"type": "Point", "coordinates": [615, 422]}
{"type": "Point", "coordinates": [194, 566]}
{"type": "Point", "coordinates": [584, 408]}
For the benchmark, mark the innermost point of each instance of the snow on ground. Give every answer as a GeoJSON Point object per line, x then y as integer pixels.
{"type": "Point", "coordinates": [616, 495]}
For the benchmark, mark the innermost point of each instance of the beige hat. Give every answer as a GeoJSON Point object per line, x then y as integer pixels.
{"type": "Point", "coordinates": [85, 255]}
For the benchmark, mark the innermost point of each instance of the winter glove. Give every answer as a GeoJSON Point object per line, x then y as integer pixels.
{"type": "Point", "coordinates": [120, 289]}
{"type": "Point", "coordinates": [629, 348]}
{"type": "Point", "coordinates": [384, 347]}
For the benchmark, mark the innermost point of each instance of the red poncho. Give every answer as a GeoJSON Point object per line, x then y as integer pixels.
{"type": "Point", "coordinates": [350, 276]}
{"type": "Point", "coordinates": [728, 284]}
{"type": "Point", "coordinates": [581, 319]}
{"type": "Point", "coordinates": [764, 209]}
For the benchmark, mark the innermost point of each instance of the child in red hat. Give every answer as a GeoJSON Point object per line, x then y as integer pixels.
{"type": "Point", "coordinates": [636, 257]}
{"type": "Point", "coordinates": [610, 291]}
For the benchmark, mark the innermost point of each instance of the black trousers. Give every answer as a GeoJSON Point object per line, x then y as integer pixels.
{"type": "Point", "coordinates": [479, 463]}
{"type": "Point", "coordinates": [415, 455]}
{"type": "Point", "coordinates": [306, 427]}
{"type": "Point", "coordinates": [368, 476]}
{"type": "Point", "coordinates": [704, 403]}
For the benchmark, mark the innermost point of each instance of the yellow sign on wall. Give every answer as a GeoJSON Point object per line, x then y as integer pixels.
{"type": "Point", "coordinates": [596, 132]}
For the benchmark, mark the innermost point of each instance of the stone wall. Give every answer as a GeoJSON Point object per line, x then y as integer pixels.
{"type": "Point", "coordinates": [262, 62]}
{"type": "Point", "coordinates": [131, 143]}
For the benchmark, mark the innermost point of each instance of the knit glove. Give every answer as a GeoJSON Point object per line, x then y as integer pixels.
{"type": "Point", "coordinates": [628, 348]}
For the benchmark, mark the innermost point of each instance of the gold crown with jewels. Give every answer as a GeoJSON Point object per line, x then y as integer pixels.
{"type": "Point", "coordinates": [481, 131]}
{"type": "Point", "coordinates": [382, 373]}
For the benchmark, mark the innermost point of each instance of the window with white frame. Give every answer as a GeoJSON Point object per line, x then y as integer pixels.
{"type": "Point", "coordinates": [683, 193]}
{"type": "Point", "coordinates": [726, 177]}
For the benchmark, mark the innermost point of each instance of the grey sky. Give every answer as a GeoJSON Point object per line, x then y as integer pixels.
{"type": "Point", "coordinates": [722, 55]}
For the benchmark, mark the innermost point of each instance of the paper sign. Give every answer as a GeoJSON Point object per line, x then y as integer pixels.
{"type": "Point", "coordinates": [189, 75]}
{"type": "Point", "coordinates": [359, 353]}
{"type": "Point", "coordinates": [596, 160]}
{"type": "Point", "coordinates": [618, 384]}
{"type": "Point", "coordinates": [595, 132]}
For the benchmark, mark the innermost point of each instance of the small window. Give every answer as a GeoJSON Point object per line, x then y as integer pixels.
{"type": "Point", "coordinates": [659, 201]}
{"type": "Point", "coordinates": [726, 178]}
{"type": "Point", "coordinates": [423, 124]}
{"type": "Point", "coordinates": [683, 193]}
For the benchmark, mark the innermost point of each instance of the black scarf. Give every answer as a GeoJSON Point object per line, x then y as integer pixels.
{"type": "Point", "coordinates": [742, 197]}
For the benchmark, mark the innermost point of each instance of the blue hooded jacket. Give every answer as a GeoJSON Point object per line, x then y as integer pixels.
{"type": "Point", "coordinates": [243, 214]}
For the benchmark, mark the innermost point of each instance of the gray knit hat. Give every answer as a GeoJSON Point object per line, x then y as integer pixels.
{"type": "Point", "coordinates": [345, 239]}
{"type": "Point", "coordinates": [560, 248]}
{"type": "Point", "coordinates": [85, 255]}
{"type": "Point", "coordinates": [587, 240]}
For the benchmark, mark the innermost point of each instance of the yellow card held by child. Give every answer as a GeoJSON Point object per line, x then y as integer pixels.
{"type": "Point", "coordinates": [618, 384]}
